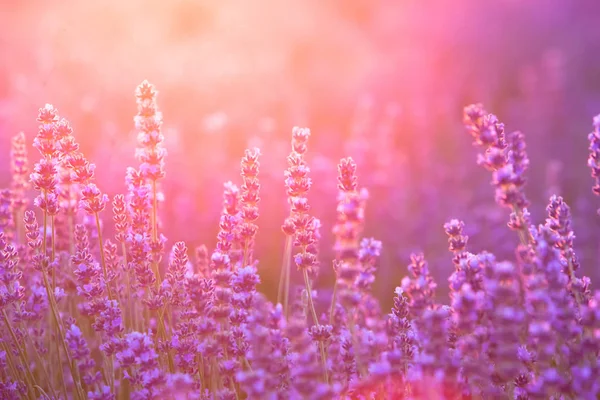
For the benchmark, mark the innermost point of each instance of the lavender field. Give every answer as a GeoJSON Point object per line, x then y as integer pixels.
{"type": "Point", "coordinates": [299, 200]}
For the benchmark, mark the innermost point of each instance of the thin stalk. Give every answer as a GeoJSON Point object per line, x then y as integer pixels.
{"type": "Point", "coordinates": [201, 371]}
{"type": "Point", "coordinates": [247, 363]}
{"type": "Point", "coordinates": [316, 321]}
{"type": "Point", "coordinates": [166, 336]}
{"type": "Point", "coordinates": [146, 318]}
{"type": "Point", "coordinates": [232, 385]}
{"type": "Point", "coordinates": [29, 380]}
{"type": "Point", "coordinates": [38, 359]}
{"type": "Point", "coordinates": [42, 391]}
{"type": "Point", "coordinates": [111, 367]}
{"type": "Point", "coordinates": [333, 302]}
{"type": "Point", "coordinates": [245, 258]}
{"type": "Point", "coordinates": [155, 266]}
{"type": "Point", "coordinates": [125, 390]}
{"type": "Point", "coordinates": [102, 257]}
{"type": "Point", "coordinates": [55, 314]}
{"type": "Point", "coordinates": [16, 374]}
{"type": "Point", "coordinates": [284, 280]}
{"type": "Point", "coordinates": [71, 222]}
{"type": "Point", "coordinates": [525, 238]}
{"type": "Point", "coordinates": [214, 381]}
{"type": "Point", "coordinates": [130, 315]}
{"type": "Point", "coordinates": [53, 235]}
{"type": "Point", "coordinates": [19, 226]}
{"type": "Point", "coordinates": [155, 230]}
{"type": "Point", "coordinates": [45, 226]}
{"type": "Point", "coordinates": [359, 367]}
{"type": "Point", "coordinates": [61, 377]}
{"type": "Point", "coordinates": [310, 299]}
{"type": "Point", "coordinates": [51, 299]}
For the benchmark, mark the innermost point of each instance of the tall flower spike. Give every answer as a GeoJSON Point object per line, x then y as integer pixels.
{"type": "Point", "coordinates": [297, 184]}
{"type": "Point", "coordinates": [350, 212]}
{"type": "Point", "coordinates": [560, 222]}
{"type": "Point", "coordinates": [45, 172]}
{"type": "Point", "coordinates": [419, 286]}
{"type": "Point", "coordinates": [6, 213]}
{"type": "Point", "coordinates": [151, 155]}
{"type": "Point", "coordinates": [46, 140]}
{"type": "Point", "coordinates": [249, 201]}
{"type": "Point", "coordinates": [508, 163]}
{"type": "Point", "coordinates": [73, 169]}
{"type": "Point", "coordinates": [148, 122]}
{"type": "Point", "coordinates": [20, 171]}
{"type": "Point", "coordinates": [594, 158]}
{"type": "Point", "coordinates": [457, 241]}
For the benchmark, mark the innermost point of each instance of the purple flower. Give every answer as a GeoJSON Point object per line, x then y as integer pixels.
{"type": "Point", "coordinates": [594, 158]}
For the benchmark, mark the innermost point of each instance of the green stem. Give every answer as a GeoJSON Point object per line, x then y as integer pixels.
{"type": "Point", "coordinates": [333, 302]}
{"type": "Point", "coordinates": [284, 280]}
{"type": "Point", "coordinates": [60, 370]}
{"type": "Point", "coordinates": [102, 257]}
{"type": "Point", "coordinates": [19, 226]}
{"type": "Point", "coordinates": [38, 359]}
{"type": "Point", "coordinates": [10, 363]}
{"type": "Point", "coordinates": [245, 259]}
{"type": "Point", "coordinates": [52, 233]}
{"type": "Point", "coordinates": [71, 219]}
{"type": "Point", "coordinates": [45, 229]}
{"type": "Point", "coordinates": [162, 329]}
{"type": "Point", "coordinates": [130, 315]}
{"type": "Point", "coordinates": [55, 314]}
{"type": "Point", "coordinates": [316, 321]}
{"type": "Point", "coordinates": [155, 231]}
{"type": "Point", "coordinates": [30, 380]}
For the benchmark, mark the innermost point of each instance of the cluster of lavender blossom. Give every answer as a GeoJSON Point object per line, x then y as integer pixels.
{"type": "Point", "coordinates": [86, 316]}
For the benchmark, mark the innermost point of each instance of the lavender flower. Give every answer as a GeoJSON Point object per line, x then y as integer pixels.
{"type": "Point", "coordinates": [594, 158]}
{"type": "Point", "coordinates": [84, 317]}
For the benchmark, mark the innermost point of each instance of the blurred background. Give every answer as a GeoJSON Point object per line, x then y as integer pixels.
{"type": "Point", "coordinates": [383, 81]}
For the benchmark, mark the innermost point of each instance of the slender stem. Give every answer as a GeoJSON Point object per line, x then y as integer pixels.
{"type": "Point", "coordinates": [38, 359]}
{"type": "Point", "coordinates": [125, 390]}
{"type": "Point", "coordinates": [50, 288]}
{"type": "Point", "coordinates": [60, 372]}
{"type": "Point", "coordinates": [30, 380]}
{"type": "Point", "coordinates": [16, 374]}
{"type": "Point", "coordinates": [232, 385]}
{"type": "Point", "coordinates": [111, 366]}
{"type": "Point", "coordinates": [19, 226]}
{"type": "Point", "coordinates": [247, 363]}
{"type": "Point", "coordinates": [102, 257]}
{"type": "Point", "coordinates": [213, 376]}
{"type": "Point", "coordinates": [333, 302]}
{"type": "Point", "coordinates": [351, 326]}
{"type": "Point", "coordinates": [201, 371]}
{"type": "Point", "coordinates": [146, 318]}
{"type": "Point", "coordinates": [154, 212]}
{"type": "Point", "coordinates": [284, 281]}
{"type": "Point", "coordinates": [71, 233]}
{"type": "Point", "coordinates": [12, 370]}
{"type": "Point", "coordinates": [44, 244]}
{"type": "Point", "coordinates": [281, 277]}
{"type": "Point", "coordinates": [54, 309]}
{"type": "Point", "coordinates": [130, 317]}
{"type": "Point", "coordinates": [310, 299]}
{"type": "Point", "coordinates": [246, 258]}
{"type": "Point", "coordinates": [155, 231]}
{"type": "Point", "coordinates": [316, 321]}
{"type": "Point", "coordinates": [162, 329]}
{"type": "Point", "coordinates": [53, 250]}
